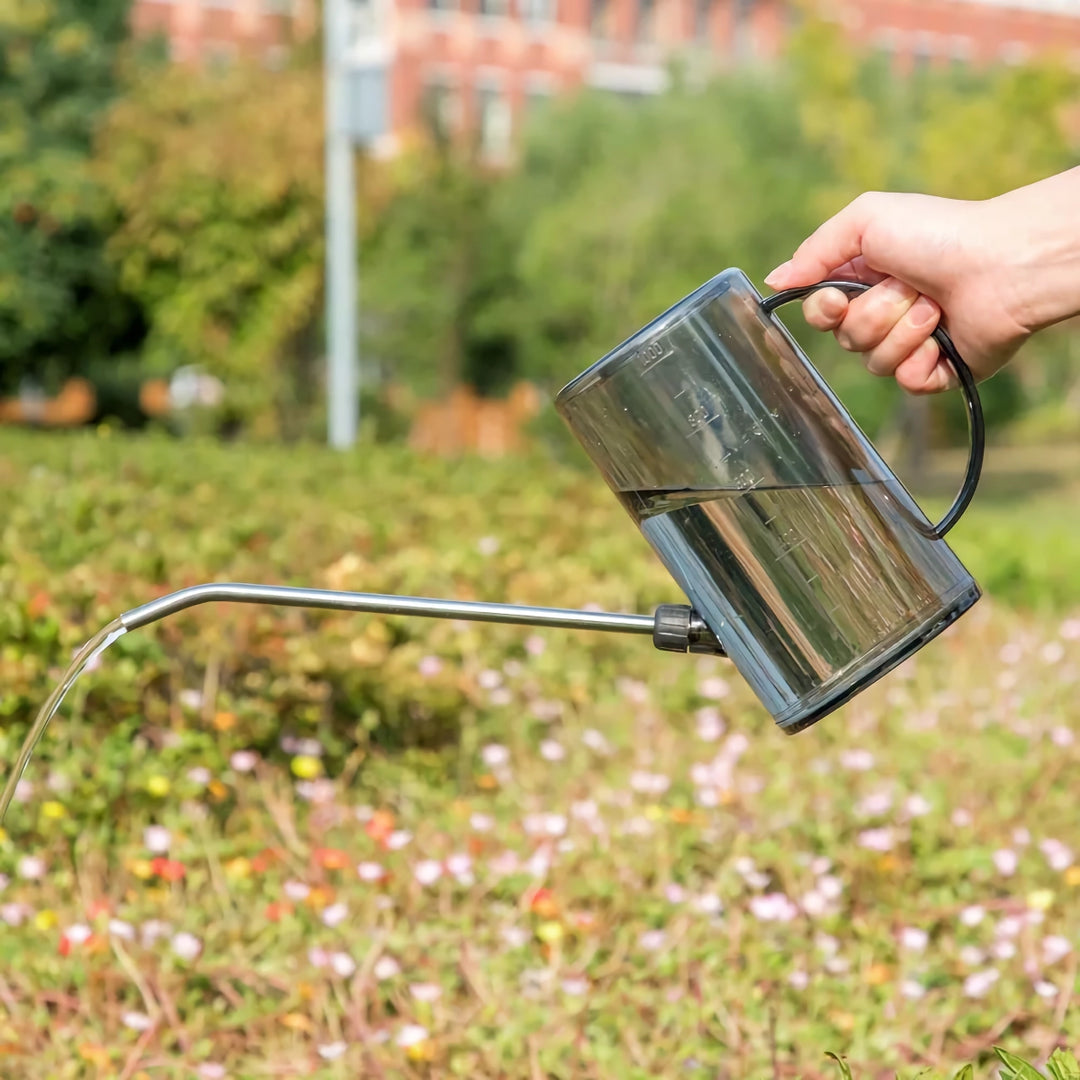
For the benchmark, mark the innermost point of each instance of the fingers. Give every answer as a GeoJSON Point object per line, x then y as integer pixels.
{"type": "Point", "coordinates": [831, 245]}
{"type": "Point", "coordinates": [926, 371]}
{"type": "Point", "coordinates": [825, 309]}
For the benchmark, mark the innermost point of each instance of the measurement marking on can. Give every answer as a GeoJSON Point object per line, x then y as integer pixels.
{"type": "Point", "coordinates": [652, 354]}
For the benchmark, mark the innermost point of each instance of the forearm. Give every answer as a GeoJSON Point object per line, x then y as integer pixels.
{"type": "Point", "coordinates": [1041, 224]}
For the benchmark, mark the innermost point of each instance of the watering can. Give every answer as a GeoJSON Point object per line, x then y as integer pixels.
{"type": "Point", "coordinates": [804, 558]}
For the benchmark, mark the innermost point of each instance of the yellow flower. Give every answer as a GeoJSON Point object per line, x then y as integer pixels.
{"type": "Point", "coordinates": [141, 868]}
{"type": "Point", "coordinates": [238, 867]}
{"type": "Point", "coordinates": [306, 767]}
{"type": "Point", "coordinates": [158, 786]}
{"type": "Point", "coordinates": [421, 1051]}
{"type": "Point", "coordinates": [654, 813]}
{"type": "Point", "coordinates": [1072, 875]}
{"type": "Point", "coordinates": [45, 919]}
{"type": "Point", "coordinates": [53, 810]}
{"type": "Point", "coordinates": [1040, 899]}
{"type": "Point", "coordinates": [550, 932]}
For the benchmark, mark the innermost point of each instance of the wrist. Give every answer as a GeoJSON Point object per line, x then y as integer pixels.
{"type": "Point", "coordinates": [1039, 227]}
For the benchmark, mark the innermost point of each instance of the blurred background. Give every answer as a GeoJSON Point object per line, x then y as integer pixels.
{"type": "Point", "coordinates": [262, 842]}
{"type": "Point", "coordinates": [533, 181]}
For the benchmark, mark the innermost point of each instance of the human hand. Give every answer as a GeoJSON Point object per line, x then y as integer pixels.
{"type": "Point", "coordinates": [999, 270]}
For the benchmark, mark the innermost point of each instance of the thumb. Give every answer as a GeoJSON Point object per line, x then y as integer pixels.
{"type": "Point", "coordinates": [833, 244]}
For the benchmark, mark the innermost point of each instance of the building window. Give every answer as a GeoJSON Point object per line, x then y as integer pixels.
{"type": "Point", "coordinates": [441, 5]}
{"type": "Point", "coordinates": [1015, 52]}
{"type": "Point", "coordinates": [646, 20]}
{"type": "Point", "coordinates": [538, 12]}
{"type": "Point", "coordinates": [743, 29]}
{"type": "Point", "coordinates": [278, 7]}
{"type": "Point", "coordinates": [702, 19]}
{"type": "Point", "coordinates": [961, 50]}
{"type": "Point", "coordinates": [539, 90]}
{"type": "Point", "coordinates": [440, 108]}
{"type": "Point", "coordinates": [491, 8]}
{"type": "Point", "coordinates": [493, 124]}
{"type": "Point", "coordinates": [926, 48]}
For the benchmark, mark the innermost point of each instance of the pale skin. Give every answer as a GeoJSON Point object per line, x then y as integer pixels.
{"type": "Point", "coordinates": [994, 271]}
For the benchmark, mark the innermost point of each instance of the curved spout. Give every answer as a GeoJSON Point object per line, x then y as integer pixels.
{"type": "Point", "coordinates": [673, 627]}
{"type": "Point", "coordinates": [235, 592]}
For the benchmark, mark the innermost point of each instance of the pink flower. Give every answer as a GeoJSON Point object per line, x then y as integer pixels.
{"type": "Point", "coordinates": [31, 868]}
{"type": "Point", "coordinates": [296, 891]}
{"type": "Point", "coordinates": [1055, 948]}
{"type": "Point", "coordinates": [243, 761]}
{"type": "Point", "coordinates": [211, 1070]}
{"type": "Point", "coordinates": [78, 934]}
{"type": "Point", "coordinates": [156, 838]}
{"type": "Point", "coordinates": [1046, 989]}
{"type": "Point", "coordinates": [875, 805]}
{"type": "Point", "coordinates": [674, 894]}
{"type": "Point", "coordinates": [1005, 861]}
{"type": "Point", "coordinates": [535, 645]}
{"type": "Point", "coordinates": [425, 992]}
{"type": "Point", "coordinates": [495, 756]}
{"type": "Point", "coordinates": [877, 839]}
{"type": "Point", "coordinates": [709, 904]}
{"type": "Point", "coordinates": [596, 742]}
{"type": "Point", "coordinates": [199, 775]}
{"type": "Point", "coordinates": [798, 980]}
{"type": "Point", "coordinates": [489, 679]}
{"type": "Point", "coordinates": [978, 985]}
{"type": "Point", "coordinates": [710, 725]}
{"type": "Point", "coordinates": [430, 666]}
{"type": "Point", "coordinates": [961, 818]}
{"type": "Point", "coordinates": [1003, 950]}
{"type": "Point", "coordinates": [505, 863]}
{"type": "Point", "coordinates": [318, 957]}
{"type": "Point", "coordinates": [575, 986]}
{"type": "Point", "coordinates": [917, 806]}
{"type": "Point", "coordinates": [714, 689]}
{"type": "Point", "coordinates": [514, 936]}
{"type": "Point", "coordinates": [459, 865]}
{"type": "Point", "coordinates": [122, 930]}
{"type": "Point", "coordinates": [1061, 736]}
{"type": "Point", "coordinates": [912, 989]}
{"type": "Point", "coordinates": [1057, 855]}
{"type": "Point", "coordinates": [481, 822]}
{"type": "Point", "coordinates": [370, 871]}
{"type": "Point", "coordinates": [647, 783]}
{"type": "Point", "coordinates": [773, 907]}
{"type": "Point", "coordinates": [398, 839]}
{"type": "Point", "coordinates": [814, 904]}
{"type": "Point", "coordinates": [411, 1035]}
{"type": "Point", "coordinates": [970, 956]}
{"type": "Point", "coordinates": [830, 886]}
{"type": "Point", "coordinates": [332, 1051]}
{"type": "Point", "coordinates": [343, 964]}
{"type": "Point", "coordinates": [1021, 837]}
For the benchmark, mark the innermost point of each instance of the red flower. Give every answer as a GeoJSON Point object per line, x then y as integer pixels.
{"type": "Point", "coordinates": [380, 825]}
{"type": "Point", "coordinates": [265, 859]}
{"type": "Point", "coordinates": [277, 910]}
{"type": "Point", "coordinates": [168, 869]}
{"type": "Point", "coordinates": [331, 858]}
{"type": "Point", "coordinates": [544, 904]}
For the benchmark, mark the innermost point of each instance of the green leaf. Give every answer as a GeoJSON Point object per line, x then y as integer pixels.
{"type": "Point", "coordinates": [966, 1073]}
{"type": "Point", "coordinates": [1016, 1068]}
{"type": "Point", "coordinates": [1063, 1065]}
{"type": "Point", "coordinates": [845, 1070]}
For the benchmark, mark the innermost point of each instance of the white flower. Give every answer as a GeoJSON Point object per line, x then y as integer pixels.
{"type": "Point", "coordinates": [857, 760]}
{"type": "Point", "coordinates": [505, 863]}
{"type": "Point", "coordinates": [318, 957]}
{"type": "Point", "coordinates": [120, 929]}
{"type": "Point", "coordinates": [191, 699]}
{"type": "Point", "coordinates": [489, 679]}
{"type": "Point", "coordinates": [211, 1070]}
{"type": "Point", "coordinates": [429, 666]}
{"type": "Point", "coordinates": [961, 818]}
{"type": "Point", "coordinates": [370, 871]}
{"type": "Point", "coordinates": [814, 904]}
{"type": "Point", "coordinates": [14, 914]}
{"type": "Point", "coordinates": [798, 980]}
{"type": "Point", "coordinates": [425, 992]}
{"type": "Point", "coordinates": [199, 775]}
{"type": "Point", "coordinates": [973, 915]}
{"type": "Point", "coordinates": [137, 1021]}
{"type": "Point", "coordinates": [481, 822]}
{"type": "Point", "coordinates": [398, 839]}
{"type": "Point", "coordinates": [156, 838]}
{"type": "Point", "coordinates": [709, 904]}
{"type": "Point", "coordinates": [1053, 652]}
{"type": "Point", "coordinates": [1021, 837]}
{"type": "Point", "coordinates": [334, 914]}
{"type": "Point", "coordinates": [978, 985]}
{"type": "Point", "coordinates": [876, 804]}
{"type": "Point", "coordinates": [550, 750]}
{"type": "Point", "coordinates": [332, 1051]}
{"type": "Point", "coordinates": [575, 987]}
{"type": "Point", "coordinates": [386, 967]}
{"type": "Point", "coordinates": [535, 645]}
{"type": "Point", "coordinates": [914, 939]}
{"type": "Point", "coordinates": [1057, 855]}
{"type": "Point", "coordinates": [514, 936]}
{"type": "Point", "coordinates": [1009, 926]}
{"type": "Point", "coordinates": [647, 783]}
{"type": "Point", "coordinates": [495, 756]}
{"type": "Point", "coordinates": [912, 989]}
{"type": "Point", "coordinates": [830, 886]}
{"type": "Point", "coordinates": [714, 689]}
{"type": "Point", "coordinates": [970, 956]}
{"type": "Point", "coordinates": [186, 946]}
{"type": "Point", "coordinates": [153, 929]}
{"type": "Point", "coordinates": [31, 868]}
{"type": "Point", "coordinates": [1003, 950]}
{"type": "Point", "coordinates": [411, 1035]}
{"type": "Point", "coordinates": [917, 806]}
{"type": "Point", "coordinates": [427, 872]}
{"type": "Point", "coordinates": [596, 742]}
{"type": "Point", "coordinates": [1045, 989]}
{"type": "Point", "coordinates": [343, 964]}
{"type": "Point", "coordinates": [486, 545]}
{"type": "Point", "coordinates": [674, 893]}
{"type": "Point", "coordinates": [652, 940]}
{"type": "Point", "coordinates": [78, 934]}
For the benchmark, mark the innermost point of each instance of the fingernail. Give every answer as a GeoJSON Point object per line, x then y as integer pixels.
{"type": "Point", "coordinates": [774, 277]}
{"type": "Point", "coordinates": [923, 311]}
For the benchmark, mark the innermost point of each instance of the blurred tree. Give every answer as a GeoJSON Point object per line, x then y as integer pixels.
{"type": "Point", "coordinates": [60, 310]}
{"type": "Point", "coordinates": [219, 178]}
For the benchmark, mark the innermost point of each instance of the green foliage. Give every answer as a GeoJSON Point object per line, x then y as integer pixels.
{"type": "Point", "coordinates": [60, 309]}
{"type": "Point", "coordinates": [219, 180]}
{"type": "Point", "coordinates": [506, 760]}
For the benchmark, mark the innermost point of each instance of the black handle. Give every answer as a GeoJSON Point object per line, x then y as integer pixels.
{"type": "Point", "coordinates": [963, 373]}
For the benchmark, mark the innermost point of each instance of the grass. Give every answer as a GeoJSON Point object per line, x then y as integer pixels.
{"type": "Point", "coordinates": [267, 844]}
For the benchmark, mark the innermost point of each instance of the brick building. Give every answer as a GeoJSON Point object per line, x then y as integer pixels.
{"type": "Point", "coordinates": [479, 65]}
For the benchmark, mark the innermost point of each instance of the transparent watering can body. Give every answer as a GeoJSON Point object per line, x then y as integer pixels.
{"type": "Point", "coordinates": [804, 558]}
{"type": "Point", "coordinates": [795, 543]}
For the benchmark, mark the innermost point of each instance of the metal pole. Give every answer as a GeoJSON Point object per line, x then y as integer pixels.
{"type": "Point", "coordinates": [342, 376]}
{"type": "Point", "coordinates": [287, 596]}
